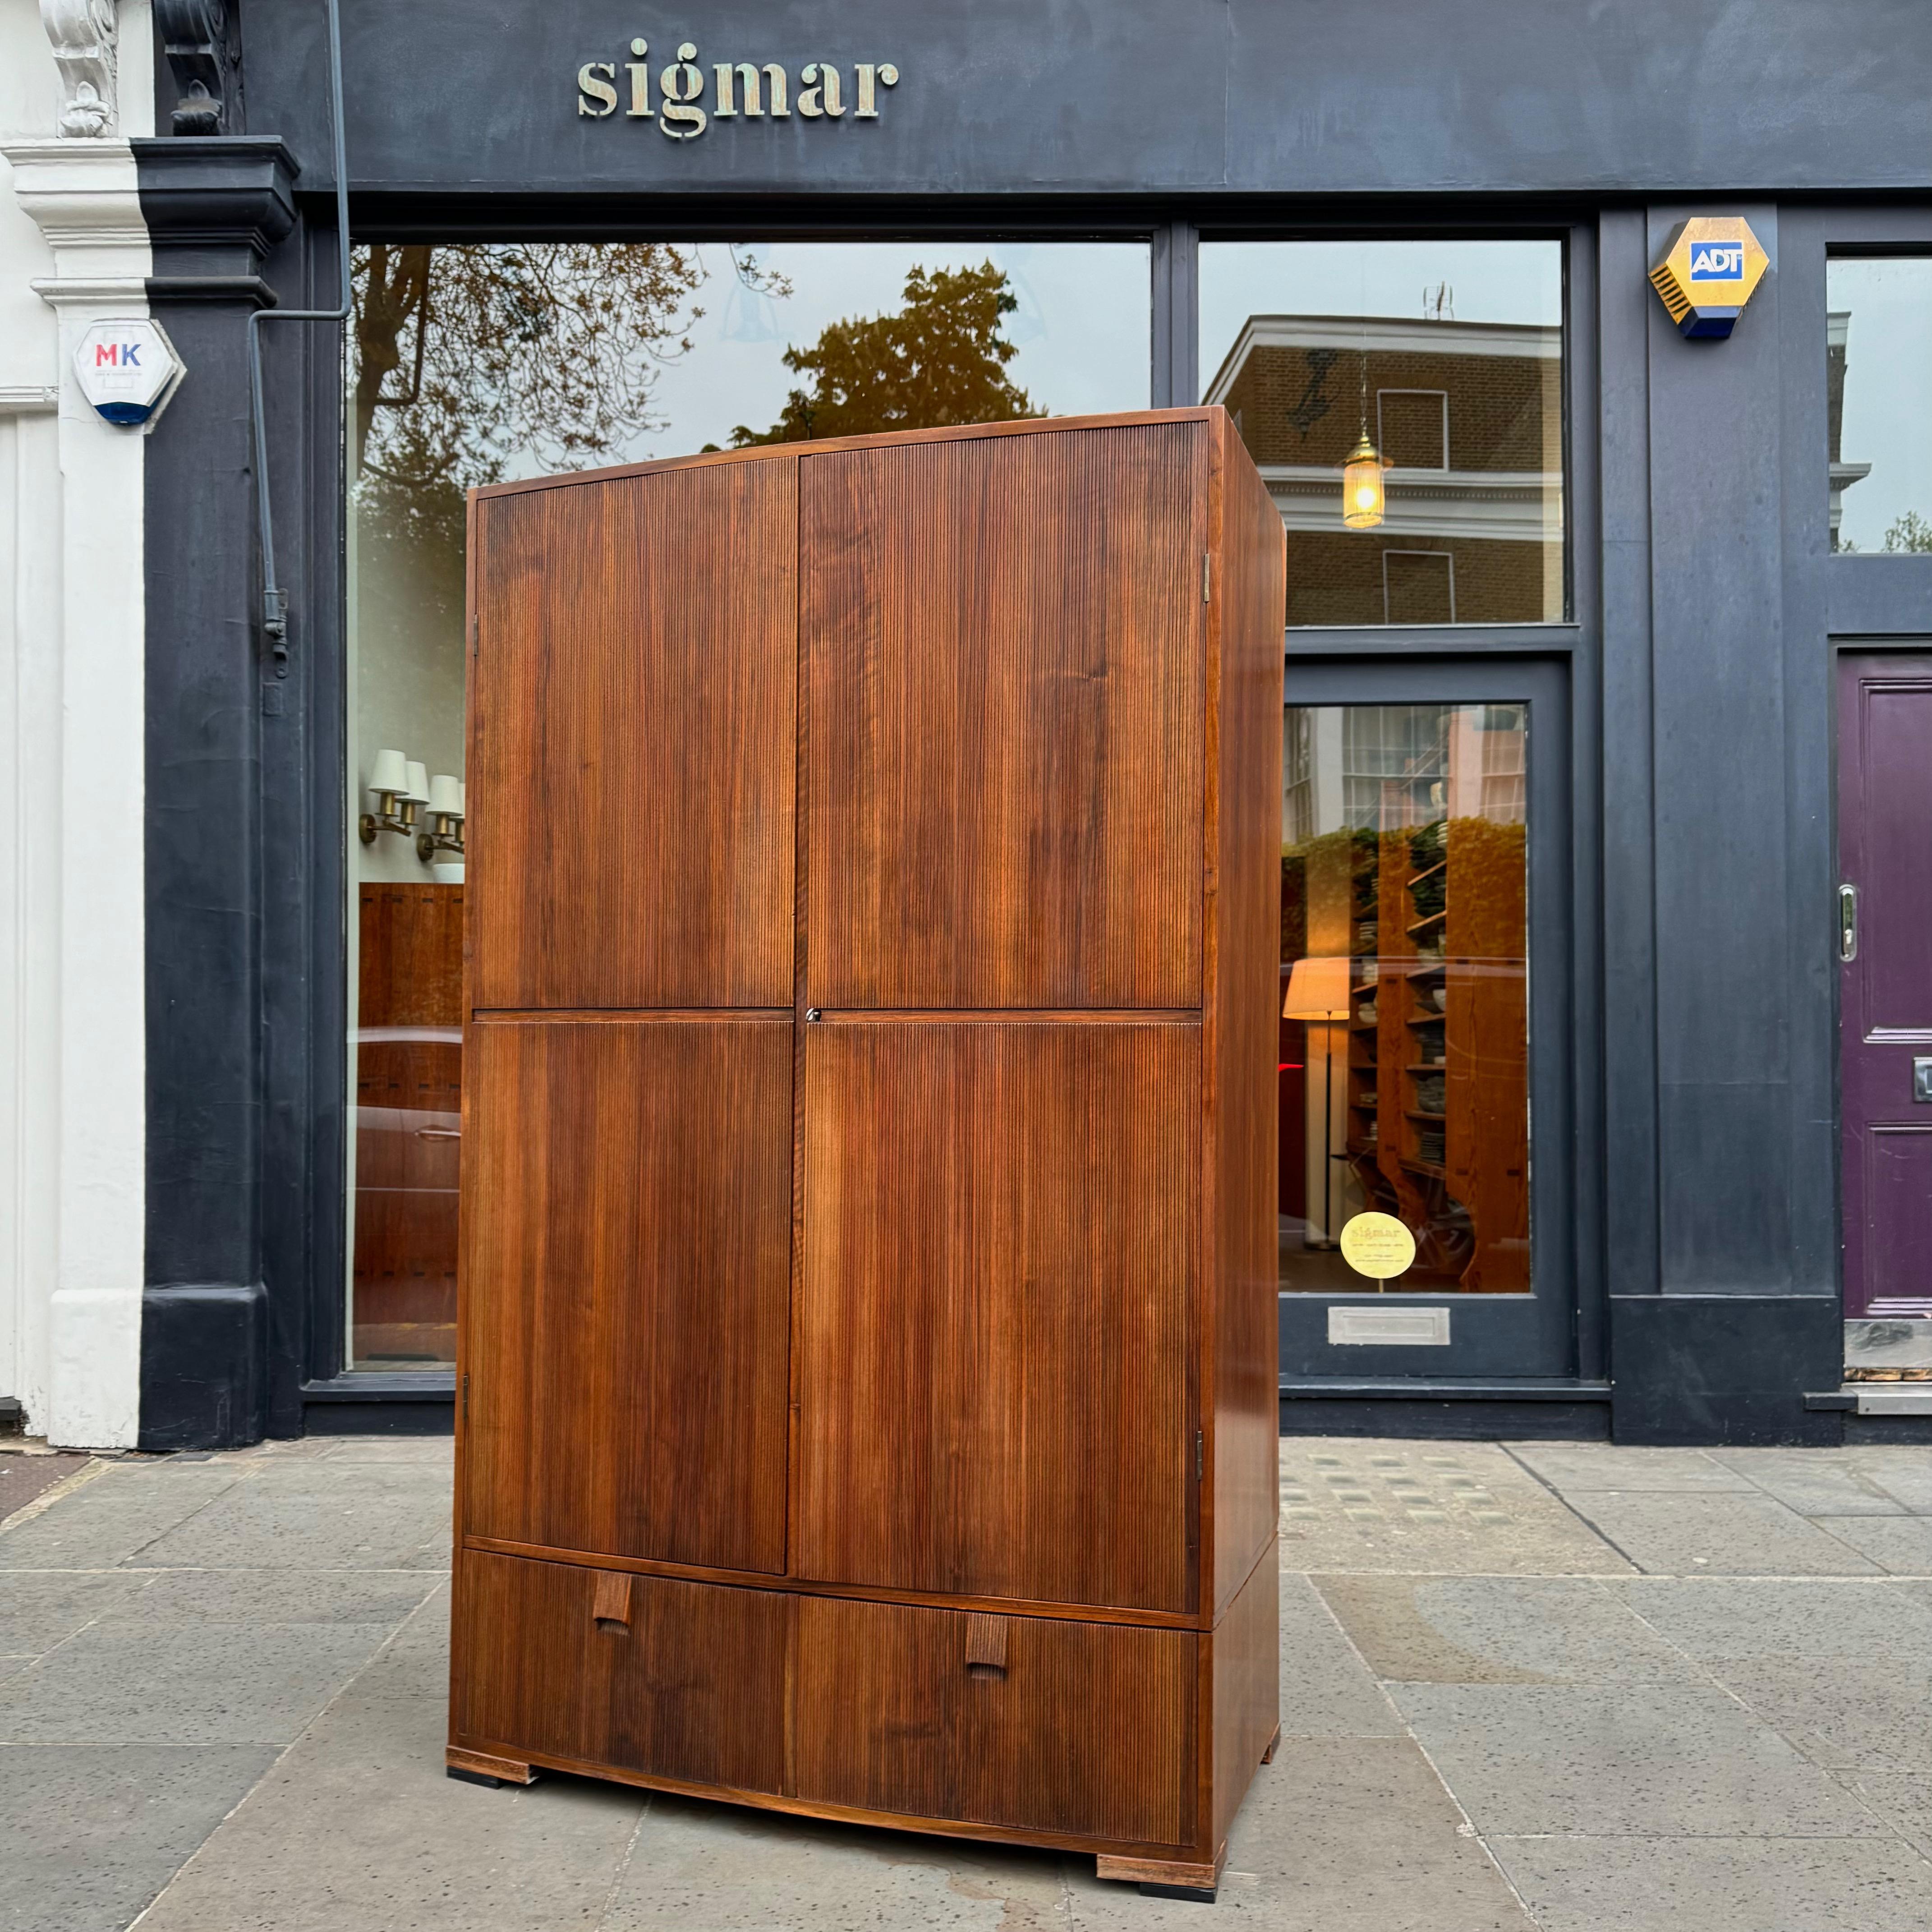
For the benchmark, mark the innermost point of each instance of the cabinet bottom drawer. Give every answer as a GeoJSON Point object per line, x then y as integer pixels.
{"type": "Point", "coordinates": [1031, 1723]}
{"type": "Point", "coordinates": [644, 1673]}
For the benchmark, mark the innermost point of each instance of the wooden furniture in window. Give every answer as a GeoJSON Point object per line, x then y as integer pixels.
{"type": "Point", "coordinates": [867, 1344]}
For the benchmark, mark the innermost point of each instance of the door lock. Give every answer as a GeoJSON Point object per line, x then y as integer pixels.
{"type": "Point", "coordinates": [1848, 923]}
{"type": "Point", "coordinates": [1922, 1079]}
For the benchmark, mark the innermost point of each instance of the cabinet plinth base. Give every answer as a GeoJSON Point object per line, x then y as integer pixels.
{"type": "Point", "coordinates": [1163, 1878]}
{"type": "Point", "coordinates": [480, 1767]}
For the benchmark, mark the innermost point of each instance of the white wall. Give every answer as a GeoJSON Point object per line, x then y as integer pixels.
{"type": "Point", "coordinates": [72, 251]}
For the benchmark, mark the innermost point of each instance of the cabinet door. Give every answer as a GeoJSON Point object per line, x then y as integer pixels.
{"type": "Point", "coordinates": [627, 1211]}
{"type": "Point", "coordinates": [632, 745]}
{"type": "Point", "coordinates": [999, 1254]}
{"type": "Point", "coordinates": [1003, 641]}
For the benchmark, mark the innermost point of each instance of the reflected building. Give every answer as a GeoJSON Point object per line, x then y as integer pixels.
{"type": "Point", "coordinates": [1469, 417]}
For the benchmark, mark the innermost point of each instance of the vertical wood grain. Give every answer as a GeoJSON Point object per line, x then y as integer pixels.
{"type": "Point", "coordinates": [626, 1245]}
{"type": "Point", "coordinates": [632, 742]}
{"type": "Point", "coordinates": [998, 1259]}
{"type": "Point", "coordinates": [1245, 1027]}
{"type": "Point", "coordinates": [1002, 645]}
{"type": "Point", "coordinates": [1244, 1666]}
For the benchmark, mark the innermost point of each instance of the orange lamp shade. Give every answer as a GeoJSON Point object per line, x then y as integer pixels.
{"type": "Point", "coordinates": [1362, 495]}
{"type": "Point", "coordinates": [1317, 989]}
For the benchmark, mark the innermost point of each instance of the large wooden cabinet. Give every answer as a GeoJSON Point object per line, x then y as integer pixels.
{"type": "Point", "coordinates": [867, 1333]}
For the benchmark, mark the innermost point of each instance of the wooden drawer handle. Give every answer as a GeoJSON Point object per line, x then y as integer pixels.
{"type": "Point", "coordinates": [611, 1605]}
{"type": "Point", "coordinates": [985, 1645]}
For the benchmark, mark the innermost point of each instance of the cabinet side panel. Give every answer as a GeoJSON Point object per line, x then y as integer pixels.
{"type": "Point", "coordinates": [1244, 1664]}
{"type": "Point", "coordinates": [1247, 993]}
{"type": "Point", "coordinates": [999, 1236]}
{"type": "Point", "coordinates": [1002, 644]}
{"type": "Point", "coordinates": [632, 769]}
{"type": "Point", "coordinates": [626, 1237]}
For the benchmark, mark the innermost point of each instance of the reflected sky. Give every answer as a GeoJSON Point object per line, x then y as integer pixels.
{"type": "Point", "coordinates": [1887, 421]}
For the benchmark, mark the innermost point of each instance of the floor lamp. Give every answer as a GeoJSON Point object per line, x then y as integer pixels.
{"type": "Point", "coordinates": [1317, 989]}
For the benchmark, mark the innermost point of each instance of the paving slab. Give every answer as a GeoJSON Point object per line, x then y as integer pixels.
{"type": "Point", "coordinates": [23, 1476]}
{"type": "Point", "coordinates": [1632, 1759]}
{"type": "Point", "coordinates": [105, 1522]}
{"type": "Point", "coordinates": [1500, 1629]}
{"type": "Point", "coordinates": [40, 1608]}
{"type": "Point", "coordinates": [253, 1525]}
{"type": "Point", "coordinates": [1720, 1885]}
{"type": "Point", "coordinates": [254, 1597]}
{"type": "Point", "coordinates": [355, 1449]}
{"type": "Point", "coordinates": [1427, 1508]}
{"type": "Point", "coordinates": [1326, 1690]}
{"type": "Point", "coordinates": [1813, 1482]}
{"type": "Point", "coordinates": [1901, 1545]}
{"type": "Point", "coordinates": [1745, 1535]}
{"type": "Point", "coordinates": [109, 1827]}
{"type": "Point", "coordinates": [1718, 1619]}
{"type": "Point", "coordinates": [711, 1867]}
{"type": "Point", "coordinates": [1584, 1466]}
{"type": "Point", "coordinates": [1903, 1474]}
{"type": "Point", "coordinates": [1903, 1798]}
{"type": "Point", "coordinates": [218, 1683]}
{"type": "Point", "coordinates": [1361, 1840]}
{"type": "Point", "coordinates": [357, 1829]}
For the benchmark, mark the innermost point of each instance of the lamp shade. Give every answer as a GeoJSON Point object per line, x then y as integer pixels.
{"type": "Point", "coordinates": [389, 773]}
{"type": "Point", "coordinates": [418, 786]}
{"type": "Point", "coordinates": [1317, 989]}
{"type": "Point", "coordinates": [462, 797]}
{"type": "Point", "coordinates": [1362, 494]}
{"type": "Point", "coordinates": [445, 796]}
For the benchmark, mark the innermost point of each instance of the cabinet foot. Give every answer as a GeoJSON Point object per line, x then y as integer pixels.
{"type": "Point", "coordinates": [1267, 1755]}
{"type": "Point", "coordinates": [480, 1767]}
{"type": "Point", "coordinates": [1162, 1878]}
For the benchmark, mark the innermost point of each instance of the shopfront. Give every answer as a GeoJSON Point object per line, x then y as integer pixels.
{"type": "Point", "coordinates": [1590, 625]}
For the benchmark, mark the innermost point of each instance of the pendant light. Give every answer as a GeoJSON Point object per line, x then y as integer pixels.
{"type": "Point", "coordinates": [1362, 497]}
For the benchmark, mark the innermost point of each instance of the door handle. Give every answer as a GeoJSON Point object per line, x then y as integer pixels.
{"type": "Point", "coordinates": [439, 1133]}
{"type": "Point", "coordinates": [1848, 923]}
{"type": "Point", "coordinates": [985, 1645]}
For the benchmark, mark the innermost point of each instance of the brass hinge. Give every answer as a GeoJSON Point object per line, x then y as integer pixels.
{"type": "Point", "coordinates": [1200, 1462]}
{"type": "Point", "coordinates": [465, 1398]}
{"type": "Point", "coordinates": [1207, 569]}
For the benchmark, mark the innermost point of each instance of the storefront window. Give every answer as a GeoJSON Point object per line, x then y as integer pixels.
{"type": "Point", "coordinates": [473, 363]}
{"type": "Point", "coordinates": [1432, 373]}
{"type": "Point", "coordinates": [1404, 1067]}
{"type": "Point", "coordinates": [1878, 365]}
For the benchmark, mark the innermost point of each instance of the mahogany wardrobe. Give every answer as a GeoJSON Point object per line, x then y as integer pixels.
{"type": "Point", "coordinates": [867, 1333]}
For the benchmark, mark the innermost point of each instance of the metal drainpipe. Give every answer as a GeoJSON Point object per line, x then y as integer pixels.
{"type": "Point", "coordinates": [274, 599]}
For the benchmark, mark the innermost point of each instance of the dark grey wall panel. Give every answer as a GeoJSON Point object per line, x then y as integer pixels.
{"type": "Point", "coordinates": [1138, 96]}
{"type": "Point", "coordinates": [1721, 859]}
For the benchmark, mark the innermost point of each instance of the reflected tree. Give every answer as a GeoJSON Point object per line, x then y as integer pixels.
{"type": "Point", "coordinates": [939, 359]}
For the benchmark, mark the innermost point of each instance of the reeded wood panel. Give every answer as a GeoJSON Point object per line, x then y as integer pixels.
{"type": "Point", "coordinates": [632, 753]}
{"type": "Point", "coordinates": [1084, 1728]}
{"type": "Point", "coordinates": [682, 1680]}
{"type": "Point", "coordinates": [1002, 644]}
{"type": "Point", "coordinates": [627, 1206]}
{"type": "Point", "coordinates": [1246, 671]}
{"type": "Point", "coordinates": [1244, 1659]}
{"type": "Point", "coordinates": [999, 1255]}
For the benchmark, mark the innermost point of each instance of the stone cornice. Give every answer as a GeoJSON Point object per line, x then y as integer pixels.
{"type": "Point", "coordinates": [85, 198]}
{"type": "Point", "coordinates": [217, 190]}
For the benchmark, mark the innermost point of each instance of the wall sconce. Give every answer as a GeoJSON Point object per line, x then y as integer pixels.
{"type": "Point", "coordinates": [399, 787]}
{"type": "Point", "coordinates": [445, 815]}
{"type": "Point", "coordinates": [1362, 496]}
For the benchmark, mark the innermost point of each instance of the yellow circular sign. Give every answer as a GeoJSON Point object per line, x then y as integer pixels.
{"type": "Point", "coordinates": [1378, 1245]}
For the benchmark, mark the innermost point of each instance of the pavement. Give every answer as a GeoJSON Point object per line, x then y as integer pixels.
{"type": "Point", "coordinates": [1567, 1686]}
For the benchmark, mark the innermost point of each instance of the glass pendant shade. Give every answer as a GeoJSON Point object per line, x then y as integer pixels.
{"type": "Point", "coordinates": [1362, 495]}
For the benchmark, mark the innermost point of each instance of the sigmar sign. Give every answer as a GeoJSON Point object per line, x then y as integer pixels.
{"type": "Point", "coordinates": [684, 101]}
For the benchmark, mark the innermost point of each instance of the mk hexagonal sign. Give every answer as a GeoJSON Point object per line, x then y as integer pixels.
{"type": "Point", "coordinates": [126, 369]}
{"type": "Point", "coordinates": [1709, 269]}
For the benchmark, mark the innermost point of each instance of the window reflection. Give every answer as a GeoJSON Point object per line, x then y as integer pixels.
{"type": "Point", "coordinates": [1878, 371]}
{"type": "Point", "coordinates": [1442, 361]}
{"type": "Point", "coordinates": [473, 363]}
{"type": "Point", "coordinates": [1404, 1034]}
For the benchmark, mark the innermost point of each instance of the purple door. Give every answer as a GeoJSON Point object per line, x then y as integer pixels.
{"type": "Point", "coordinates": [1885, 948]}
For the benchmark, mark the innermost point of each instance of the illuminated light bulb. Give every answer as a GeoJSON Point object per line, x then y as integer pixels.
{"type": "Point", "coordinates": [1362, 494]}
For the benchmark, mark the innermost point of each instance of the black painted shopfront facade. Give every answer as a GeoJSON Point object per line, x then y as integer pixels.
{"type": "Point", "coordinates": [1592, 643]}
